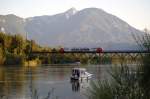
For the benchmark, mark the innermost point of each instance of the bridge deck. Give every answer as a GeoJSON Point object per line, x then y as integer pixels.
{"type": "Point", "coordinates": [108, 51]}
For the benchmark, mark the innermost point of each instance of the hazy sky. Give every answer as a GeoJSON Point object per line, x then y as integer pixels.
{"type": "Point", "coordinates": [135, 12]}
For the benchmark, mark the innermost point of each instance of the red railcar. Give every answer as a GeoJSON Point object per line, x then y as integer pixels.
{"type": "Point", "coordinates": [99, 50]}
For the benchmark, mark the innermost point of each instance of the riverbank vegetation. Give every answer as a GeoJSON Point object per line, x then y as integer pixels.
{"type": "Point", "coordinates": [14, 49]}
{"type": "Point", "coordinates": [126, 82]}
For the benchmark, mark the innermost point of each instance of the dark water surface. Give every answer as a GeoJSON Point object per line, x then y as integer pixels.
{"type": "Point", "coordinates": [22, 82]}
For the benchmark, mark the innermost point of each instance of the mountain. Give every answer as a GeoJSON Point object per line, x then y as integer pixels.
{"type": "Point", "coordinates": [90, 27]}
{"type": "Point", "coordinates": [12, 24]}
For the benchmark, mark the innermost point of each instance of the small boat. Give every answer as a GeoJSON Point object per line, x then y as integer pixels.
{"type": "Point", "coordinates": [80, 74]}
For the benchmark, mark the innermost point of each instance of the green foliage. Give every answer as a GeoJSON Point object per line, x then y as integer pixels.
{"type": "Point", "coordinates": [84, 59]}
{"type": "Point", "coordinates": [14, 49]}
{"type": "Point", "coordinates": [100, 90]}
{"type": "Point", "coordinates": [95, 60]}
{"type": "Point", "coordinates": [125, 84]}
{"type": "Point", "coordinates": [145, 66]}
{"type": "Point", "coordinates": [3, 41]}
{"type": "Point", "coordinates": [2, 58]}
{"type": "Point", "coordinates": [17, 44]}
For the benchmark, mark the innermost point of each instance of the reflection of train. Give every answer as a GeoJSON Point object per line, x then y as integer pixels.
{"type": "Point", "coordinates": [80, 49]}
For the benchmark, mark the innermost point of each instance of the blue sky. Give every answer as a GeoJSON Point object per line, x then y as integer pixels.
{"type": "Point", "coordinates": [135, 12]}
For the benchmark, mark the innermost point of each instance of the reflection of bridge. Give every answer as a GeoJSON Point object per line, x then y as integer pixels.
{"type": "Point", "coordinates": [112, 54]}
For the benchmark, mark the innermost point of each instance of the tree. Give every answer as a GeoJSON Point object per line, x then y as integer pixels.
{"type": "Point", "coordinates": [2, 57]}
{"type": "Point", "coordinates": [17, 44]}
{"type": "Point", "coordinates": [2, 40]}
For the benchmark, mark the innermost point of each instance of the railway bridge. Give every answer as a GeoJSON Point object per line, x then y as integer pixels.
{"type": "Point", "coordinates": [121, 55]}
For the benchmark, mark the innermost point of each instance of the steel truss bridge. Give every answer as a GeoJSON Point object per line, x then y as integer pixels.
{"type": "Point", "coordinates": [133, 55]}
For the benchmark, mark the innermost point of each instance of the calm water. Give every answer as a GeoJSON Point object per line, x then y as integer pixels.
{"type": "Point", "coordinates": [21, 82]}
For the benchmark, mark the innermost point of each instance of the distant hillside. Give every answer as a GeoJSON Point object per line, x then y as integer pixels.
{"type": "Point", "coordinates": [89, 27]}
{"type": "Point", "coordinates": [12, 24]}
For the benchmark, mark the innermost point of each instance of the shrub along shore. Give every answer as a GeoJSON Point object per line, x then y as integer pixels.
{"type": "Point", "coordinates": [15, 49]}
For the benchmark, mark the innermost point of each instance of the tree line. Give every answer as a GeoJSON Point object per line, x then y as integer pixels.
{"type": "Point", "coordinates": [15, 48]}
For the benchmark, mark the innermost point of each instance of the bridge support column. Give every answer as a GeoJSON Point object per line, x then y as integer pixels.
{"type": "Point", "coordinates": [100, 58]}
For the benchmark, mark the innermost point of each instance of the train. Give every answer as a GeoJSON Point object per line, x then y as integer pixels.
{"type": "Point", "coordinates": [81, 49]}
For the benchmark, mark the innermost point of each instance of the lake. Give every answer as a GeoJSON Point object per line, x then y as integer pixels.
{"type": "Point", "coordinates": [18, 82]}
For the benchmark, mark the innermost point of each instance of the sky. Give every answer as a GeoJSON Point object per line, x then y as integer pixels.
{"type": "Point", "coordinates": [134, 12]}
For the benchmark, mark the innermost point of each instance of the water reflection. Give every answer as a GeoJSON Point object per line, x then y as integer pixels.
{"type": "Point", "coordinates": [78, 85]}
{"type": "Point", "coordinates": [75, 85]}
{"type": "Point", "coordinates": [11, 81]}
{"type": "Point", "coordinates": [21, 82]}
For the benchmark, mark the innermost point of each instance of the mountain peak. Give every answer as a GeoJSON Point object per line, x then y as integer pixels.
{"type": "Point", "coordinates": [70, 12]}
{"type": "Point", "coordinates": [90, 27]}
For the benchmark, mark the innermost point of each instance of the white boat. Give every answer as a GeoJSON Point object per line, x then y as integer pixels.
{"type": "Point", "coordinates": [80, 74]}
